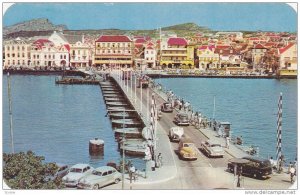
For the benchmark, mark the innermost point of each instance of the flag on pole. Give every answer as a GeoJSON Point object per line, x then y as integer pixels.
{"type": "Point", "coordinates": [279, 128]}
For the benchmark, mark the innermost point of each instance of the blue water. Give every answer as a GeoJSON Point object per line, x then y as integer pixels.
{"type": "Point", "coordinates": [57, 121]}
{"type": "Point", "coordinates": [249, 104]}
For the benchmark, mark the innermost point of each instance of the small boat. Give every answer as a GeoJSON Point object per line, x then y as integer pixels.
{"type": "Point", "coordinates": [111, 95]}
{"type": "Point", "coordinates": [125, 123]}
{"type": "Point", "coordinates": [135, 148]}
{"type": "Point", "coordinates": [128, 132]}
{"type": "Point", "coordinates": [113, 104]}
{"type": "Point", "coordinates": [120, 115]}
{"type": "Point", "coordinates": [111, 92]}
{"type": "Point", "coordinates": [117, 108]}
{"type": "Point", "coordinates": [114, 99]}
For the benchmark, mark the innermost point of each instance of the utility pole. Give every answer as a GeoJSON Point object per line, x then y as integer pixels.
{"type": "Point", "coordinates": [123, 151]}
{"type": "Point", "coordinates": [10, 114]}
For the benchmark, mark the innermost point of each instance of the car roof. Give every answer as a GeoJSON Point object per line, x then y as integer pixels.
{"type": "Point", "coordinates": [104, 168]}
{"type": "Point", "coordinates": [255, 158]}
{"type": "Point", "coordinates": [182, 114]}
{"type": "Point", "coordinates": [225, 123]}
{"type": "Point", "coordinates": [80, 166]}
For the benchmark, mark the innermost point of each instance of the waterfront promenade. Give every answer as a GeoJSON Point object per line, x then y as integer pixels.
{"type": "Point", "coordinates": [204, 173]}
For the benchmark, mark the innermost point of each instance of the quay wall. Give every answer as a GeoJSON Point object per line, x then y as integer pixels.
{"type": "Point", "coordinates": [45, 72]}
{"type": "Point", "coordinates": [221, 76]}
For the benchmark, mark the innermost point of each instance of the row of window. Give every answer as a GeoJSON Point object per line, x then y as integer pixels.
{"type": "Point", "coordinates": [49, 56]}
{"type": "Point", "coordinates": [173, 58]}
{"type": "Point", "coordinates": [14, 62]}
{"type": "Point", "coordinates": [113, 51]}
{"type": "Point", "coordinates": [113, 44]}
{"type": "Point", "coordinates": [116, 59]}
{"type": "Point", "coordinates": [173, 52]}
{"type": "Point", "coordinates": [149, 59]}
{"type": "Point", "coordinates": [78, 52]}
{"type": "Point", "coordinates": [14, 55]}
{"type": "Point", "coordinates": [13, 48]}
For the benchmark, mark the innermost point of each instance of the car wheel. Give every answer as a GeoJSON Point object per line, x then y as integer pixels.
{"type": "Point", "coordinates": [117, 180]}
{"type": "Point", "coordinates": [95, 187]}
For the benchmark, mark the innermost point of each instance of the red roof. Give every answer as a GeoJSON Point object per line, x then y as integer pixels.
{"type": "Point", "coordinates": [203, 47]}
{"type": "Point", "coordinates": [253, 38]}
{"type": "Point", "coordinates": [282, 50]}
{"type": "Point", "coordinates": [41, 42]}
{"type": "Point", "coordinates": [259, 46]}
{"type": "Point", "coordinates": [177, 41]}
{"type": "Point", "coordinates": [67, 47]}
{"type": "Point", "coordinates": [140, 40]}
{"type": "Point", "coordinates": [113, 38]}
{"type": "Point", "coordinates": [149, 47]}
{"type": "Point", "coordinates": [223, 46]}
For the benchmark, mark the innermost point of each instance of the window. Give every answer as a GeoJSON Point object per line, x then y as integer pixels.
{"type": "Point", "coordinates": [23, 48]}
{"type": "Point", "coordinates": [8, 48]}
{"type": "Point", "coordinates": [78, 52]}
{"type": "Point", "coordinates": [18, 62]}
{"type": "Point", "coordinates": [53, 56]}
{"type": "Point", "coordinates": [8, 62]}
{"type": "Point", "coordinates": [45, 56]}
{"type": "Point", "coordinates": [23, 55]}
{"type": "Point", "coordinates": [73, 52]}
{"type": "Point", "coordinates": [8, 55]}
{"type": "Point", "coordinates": [12, 48]}
{"type": "Point", "coordinates": [33, 56]}
{"type": "Point", "coordinates": [64, 56]}
{"type": "Point", "coordinates": [49, 56]}
{"type": "Point", "coordinates": [18, 55]}
{"type": "Point", "coordinates": [104, 174]}
{"type": "Point", "coordinates": [61, 56]}
{"type": "Point", "coordinates": [18, 48]}
{"type": "Point", "coordinates": [109, 172]}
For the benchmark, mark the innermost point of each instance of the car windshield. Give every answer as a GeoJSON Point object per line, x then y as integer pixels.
{"type": "Point", "coordinates": [97, 173]}
{"type": "Point", "coordinates": [265, 163]}
{"type": "Point", "coordinates": [76, 170]}
{"type": "Point", "coordinates": [183, 117]}
{"type": "Point", "coordinates": [187, 145]}
{"type": "Point", "coordinates": [215, 145]}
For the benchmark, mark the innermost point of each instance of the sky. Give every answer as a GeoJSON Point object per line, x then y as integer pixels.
{"type": "Point", "coordinates": [132, 16]}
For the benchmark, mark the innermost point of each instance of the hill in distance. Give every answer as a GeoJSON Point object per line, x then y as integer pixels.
{"type": "Point", "coordinates": [42, 26]}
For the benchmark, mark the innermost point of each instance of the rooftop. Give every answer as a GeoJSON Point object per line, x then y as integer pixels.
{"type": "Point", "coordinates": [113, 38]}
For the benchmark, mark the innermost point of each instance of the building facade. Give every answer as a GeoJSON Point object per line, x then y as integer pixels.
{"type": "Point", "coordinates": [208, 59]}
{"type": "Point", "coordinates": [177, 54]}
{"type": "Point", "coordinates": [288, 60]}
{"type": "Point", "coordinates": [113, 50]}
{"type": "Point", "coordinates": [17, 52]}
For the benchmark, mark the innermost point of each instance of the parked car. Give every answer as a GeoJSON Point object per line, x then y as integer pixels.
{"type": "Point", "coordinates": [181, 119]}
{"type": "Point", "coordinates": [167, 107]}
{"type": "Point", "coordinates": [256, 168]}
{"type": "Point", "coordinates": [187, 149]}
{"type": "Point", "coordinates": [176, 133]}
{"type": "Point", "coordinates": [212, 149]}
{"type": "Point", "coordinates": [61, 172]}
{"type": "Point", "coordinates": [75, 173]}
{"type": "Point", "coordinates": [100, 177]}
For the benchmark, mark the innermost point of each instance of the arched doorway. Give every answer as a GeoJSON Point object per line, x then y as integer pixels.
{"type": "Point", "coordinates": [169, 65]}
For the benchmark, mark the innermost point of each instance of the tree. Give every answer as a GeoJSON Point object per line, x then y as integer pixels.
{"type": "Point", "coordinates": [26, 171]}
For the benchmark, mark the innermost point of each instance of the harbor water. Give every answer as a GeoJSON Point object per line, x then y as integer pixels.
{"type": "Point", "coordinates": [57, 121]}
{"type": "Point", "coordinates": [250, 105]}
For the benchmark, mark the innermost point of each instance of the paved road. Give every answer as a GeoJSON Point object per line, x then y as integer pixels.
{"type": "Point", "coordinates": [204, 173]}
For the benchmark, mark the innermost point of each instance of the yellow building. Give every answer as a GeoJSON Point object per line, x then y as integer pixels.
{"type": "Point", "coordinates": [113, 51]}
{"type": "Point", "coordinates": [177, 54]}
{"type": "Point", "coordinates": [288, 60]}
{"type": "Point", "coordinates": [208, 59]}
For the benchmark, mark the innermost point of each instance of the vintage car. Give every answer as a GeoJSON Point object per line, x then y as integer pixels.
{"type": "Point", "coordinates": [100, 177]}
{"type": "Point", "coordinates": [211, 149]}
{"type": "Point", "coordinates": [256, 167]}
{"type": "Point", "coordinates": [181, 119]}
{"type": "Point", "coordinates": [187, 149]}
{"type": "Point", "coordinates": [62, 170]}
{"type": "Point", "coordinates": [167, 107]}
{"type": "Point", "coordinates": [175, 133]}
{"type": "Point", "coordinates": [75, 173]}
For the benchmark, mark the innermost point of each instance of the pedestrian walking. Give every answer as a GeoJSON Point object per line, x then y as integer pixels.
{"type": "Point", "coordinates": [152, 165]}
{"type": "Point", "coordinates": [159, 157]}
{"type": "Point", "coordinates": [227, 142]}
{"type": "Point", "coordinates": [132, 172]}
{"type": "Point", "coordinates": [292, 173]}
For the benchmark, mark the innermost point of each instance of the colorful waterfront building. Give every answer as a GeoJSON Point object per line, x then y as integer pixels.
{"type": "Point", "coordinates": [288, 60]}
{"type": "Point", "coordinates": [208, 59]}
{"type": "Point", "coordinates": [177, 53]}
{"type": "Point", "coordinates": [80, 51]}
{"type": "Point", "coordinates": [257, 53]}
{"type": "Point", "coordinates": [150, 55]}
{"type": "Point", "coordinates": [45, 53]}
{"type": "Point", "coordinates": [17, 52]}
{"type": "Point", "coordinates": [113, 50]}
